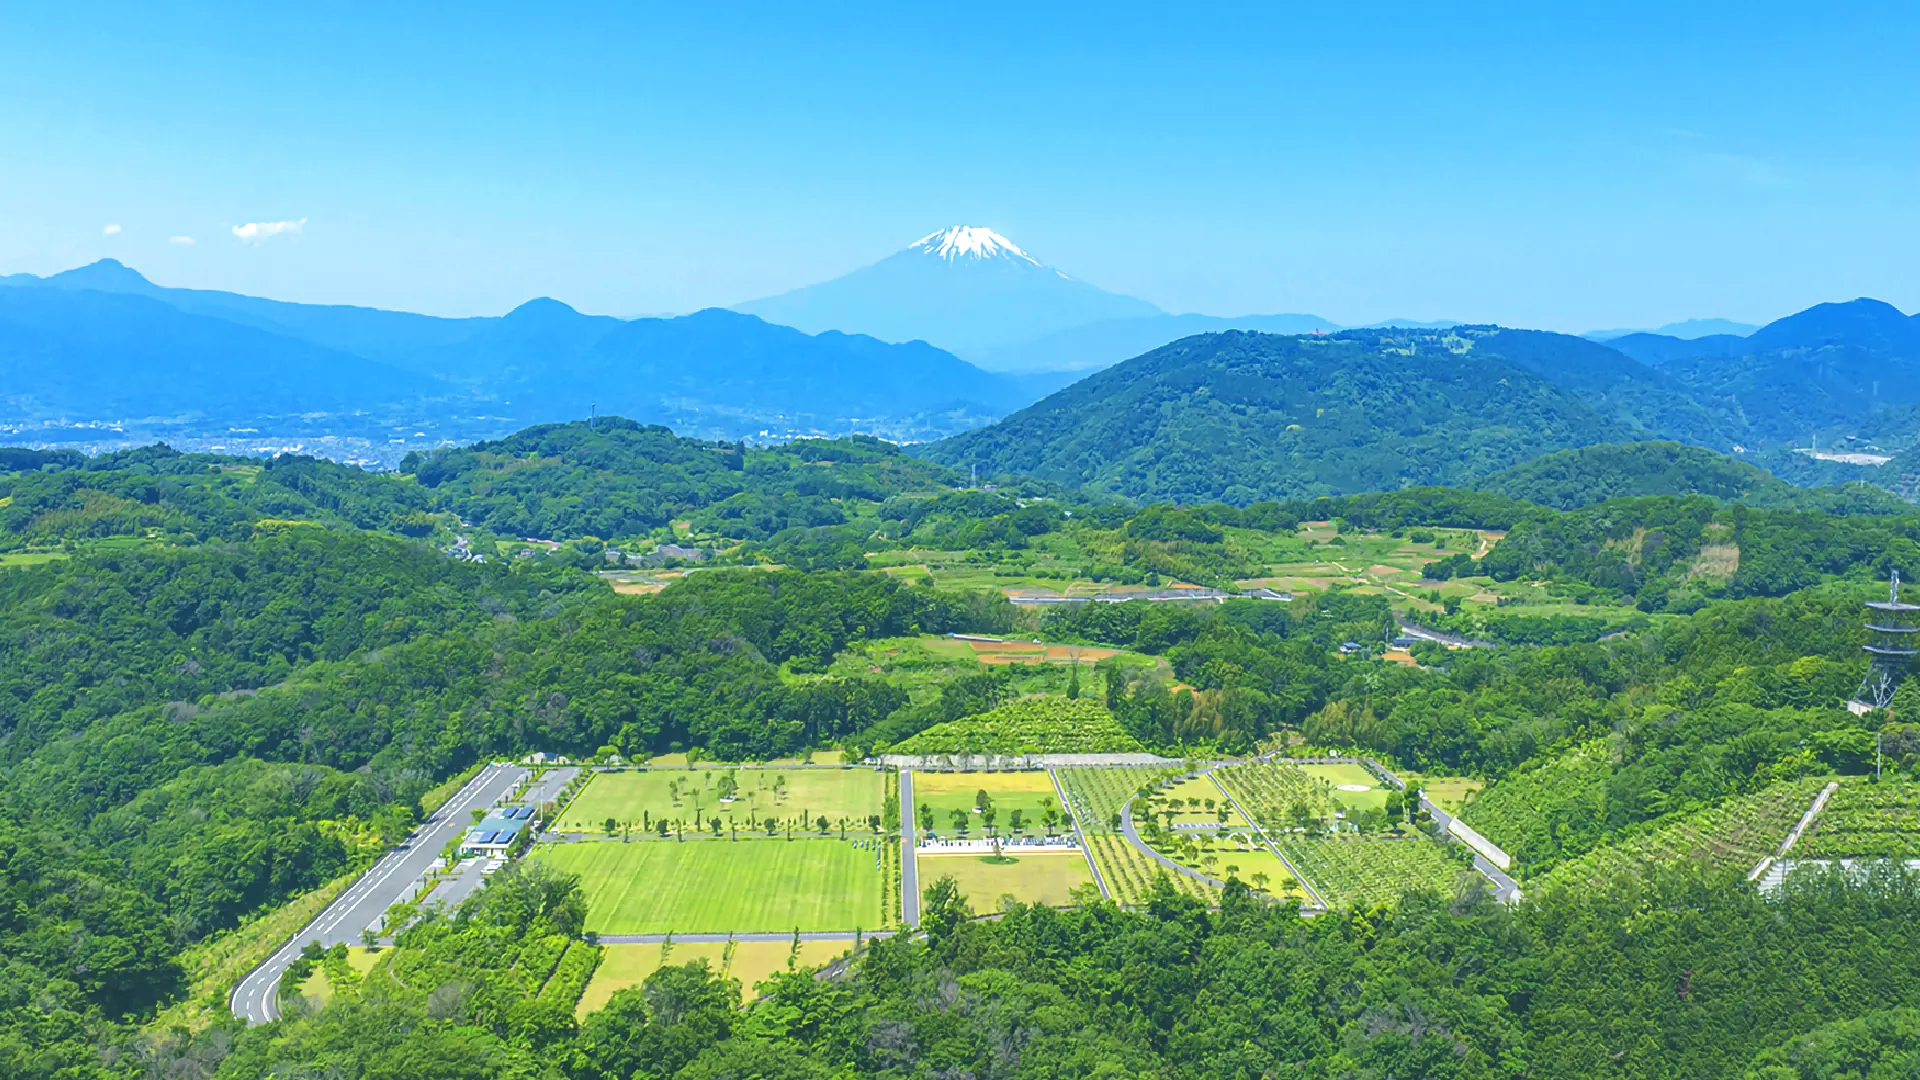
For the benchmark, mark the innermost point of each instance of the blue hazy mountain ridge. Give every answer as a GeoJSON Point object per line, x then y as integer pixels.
{"type": "Point", "coordinates": [1656, 349]}
{"type": "Point", "coordinates": [1242, 416]}
{"type": "Point", "coordinates": [1831, 367]}
{"type": "Point", "coordinates": [375, 333]}
{"type": "Point", "coordinates": [719, 372]}
{"type": "Point", "coordinates": [966, 290]}
{"type": "Point", "coordinates": [1685, 330]}
{"type": "Point", "coordinates": [86, 354]}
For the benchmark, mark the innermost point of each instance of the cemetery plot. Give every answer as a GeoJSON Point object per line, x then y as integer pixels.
{"type": "Point", "coordinates": [720, 886]}
{"type": "Point", "coordinates": [1096, 795]}
{"type": "Point", "coordinates": [1354, 871]}
{"type": "Point", "coordinates": [1129, 872]}
{"type": "Point", "coordinates": [1195, 801]}
{"type": "Point", "coordinates": [746, 796]}
{"type": "Point", "coordinates": [1282, 798]}
{"type": "Point", "coordinates": [957, 806]}
{"type": "Point", "coordinates": [1351, 786]}
{"type": "Point", "coordinates": [1029, 879]}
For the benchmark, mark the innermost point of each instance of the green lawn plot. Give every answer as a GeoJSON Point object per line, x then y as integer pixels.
{"type": "Point", "coordinates": [757, 794]}
{"type": "Point", "coordinates": [1351, 871]}
{"type": "Point", "coordinates": [946, 793]}
{"type": "Point", "coordinates": [721, 886]}
{"type": "Point", "coordinates": [1030, 879]}
{"type": "Point", "coordinates": [1220, 855]}
{"type": "Point", "coordinates": [748, 962]}
{"type": "Point", "coordinates": [1449, 793]}
{"type": "Point", "coordinates": [1096, 794]}
{"type": "Point", "coordinates": [1351, 786]}
{"type": "Point", "coordinates": [1865, 820]}
{"type": "Point", "coordinates": [31, 558]}
{"type": "Point", "coordinates": [1196, 800]}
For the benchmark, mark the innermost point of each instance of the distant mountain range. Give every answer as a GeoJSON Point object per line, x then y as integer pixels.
{"type": "Point", "coordinates": [103, 342]}
{"type": "Point", "coordinates": [1241, 416]}
{"type": "Point", "coordinates": [1686, 330]}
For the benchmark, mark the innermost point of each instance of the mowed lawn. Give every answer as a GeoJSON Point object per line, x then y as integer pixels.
{"type": "Point", "coordinates": [1372, 797]}
{"type": "Point", "coordinates": [759, 793]}
{"type": "Point", "coordinates": [1028, 792]}
{"type": "Point", "coordinates": [1030, 879]}
{"type": "Point", "coordinates": [721, 886]}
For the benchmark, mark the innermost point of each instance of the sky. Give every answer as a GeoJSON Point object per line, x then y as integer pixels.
{"type": "Point", "coordinates": [1623, 166]}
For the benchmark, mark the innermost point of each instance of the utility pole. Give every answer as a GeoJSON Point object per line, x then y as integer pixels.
{"type": "Point", "coordinates": [593, 415]}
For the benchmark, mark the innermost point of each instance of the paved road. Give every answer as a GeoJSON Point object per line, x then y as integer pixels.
{"type": "Point", "coordinates": [1505, 889]}
{"type": "Point", "coordinates": [255, 1000]}
{"type": "Point", "coordinates": [1133, 837]}
{"type": "Point", "coordinates": [548, 788]}
{"type": "Point", "coordinates": [909, 870]}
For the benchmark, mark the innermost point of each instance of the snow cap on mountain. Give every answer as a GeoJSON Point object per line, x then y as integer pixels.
{"type": "Point", "coordinates": [972, 242]}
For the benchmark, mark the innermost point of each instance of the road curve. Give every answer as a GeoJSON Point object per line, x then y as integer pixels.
{"type": "Point", "coordinates": [256, 998]}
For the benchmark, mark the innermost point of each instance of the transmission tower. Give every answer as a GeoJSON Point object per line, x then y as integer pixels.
{"type": "Point", "coordinates": [1891, 646]}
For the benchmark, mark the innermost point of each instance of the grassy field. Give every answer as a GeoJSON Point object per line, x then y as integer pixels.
{"type": "Point", "coordinates": [1340, 777]}
{"type": "Point", "coordinates": [1028, 792]}
{"type": "Point", "coordinates": [719, 886]}
{"type": "Point", "coordinates": [30, 558]}
{"type": "Point", "coordinates": [760, 793]}
{"type": "Point", "coordinates": [1030, 879]}
{"type": "Point", "coordinates": [750, 962]}
{"type": "Point", "coordinates": [319, 989]}
{"type": "Point", "coordinates": [1449, 793]}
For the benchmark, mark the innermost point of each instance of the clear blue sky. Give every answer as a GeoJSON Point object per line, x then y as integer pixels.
{"type": "Point", "coordinates": [1624, 167]}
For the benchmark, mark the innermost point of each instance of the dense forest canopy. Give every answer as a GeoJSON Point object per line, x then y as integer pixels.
{"type": "Point", "coordinates": [229, 682]}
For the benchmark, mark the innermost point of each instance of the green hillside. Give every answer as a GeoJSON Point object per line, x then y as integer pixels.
{"type": "Point", "coordinates": [1570, 479]}
{"type": "Point", "coordinates": [1241, 417]}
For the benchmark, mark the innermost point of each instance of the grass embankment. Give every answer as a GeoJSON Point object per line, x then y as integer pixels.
{"type": "Point", "coordinates": [215, 966]}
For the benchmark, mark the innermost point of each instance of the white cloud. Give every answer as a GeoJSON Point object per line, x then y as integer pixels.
{"type": "Point", "coordinates": [183, 241]}
{"type": "Point", "coordinates": [111, 230]}
{"type": "Point", "coordinates": [255, 231]}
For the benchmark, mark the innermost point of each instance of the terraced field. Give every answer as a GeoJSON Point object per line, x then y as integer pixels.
{"type": "Point", "coordinates": [1865, 820]}
{"type": "Point", "coordinates": [1733, 836]}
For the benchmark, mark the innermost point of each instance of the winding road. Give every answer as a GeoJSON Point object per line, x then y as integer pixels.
{"type": "Point", "coordinates": [256, 999]}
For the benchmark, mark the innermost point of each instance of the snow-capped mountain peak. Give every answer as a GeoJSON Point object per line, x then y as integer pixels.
{"type": "Point", "coordinates": [968, 241]}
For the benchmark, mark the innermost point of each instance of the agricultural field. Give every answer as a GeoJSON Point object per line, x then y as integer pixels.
{"type": "Point", "coordinates": [756, 794]}
{"type": "Point", "coordinates": [1047, 878]}
{"type": "Point", "coordinates": [1865, 820]}
{"type": "Point", "coordinates": [720, 886]}
{"type": "Point", "coordinates": [1733, 836]}
{"type": "Point", "coordinates": [1365, 872]}
{"type": "Point", "coordinates": [1034, 725]}
{"type": "Point", "coordinates": [1097, 794]}
{"type": "Point", "coordinates": [948, 793]}
{"type": "Point", "coordinates": [748, 962]}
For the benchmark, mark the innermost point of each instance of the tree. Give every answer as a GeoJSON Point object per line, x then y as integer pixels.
{"type": "Point", "coordinates": [1260, 880]}
{"type": "Point", "coordinates": [1017, 820]}
{"type": "Point", "coordinates": [823, 824]}
{"type": "Point", "coordinates": [987, 816]}
{"type": "Point", "coordinates": [982, 800]}
{"type": "Point", "coordinates": [959, 820]}
{"type": "Point", "coordinates": [942, 910]}
{"type": "Point", "coordinates": [925, 815]}
{"type": "Point", "coordinates": [613, 826]}
{"type": "Point", "coordinates": [1073, 680]}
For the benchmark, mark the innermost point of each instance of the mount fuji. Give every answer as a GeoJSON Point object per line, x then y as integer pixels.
{"type": "Point", "coordinates": [966, 289]}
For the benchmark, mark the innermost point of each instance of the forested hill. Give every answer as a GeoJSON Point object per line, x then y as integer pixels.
{"type": "Point", "coordinates": [1569, 479]}
{"type": "Point", "coordinates": [1242, 417]}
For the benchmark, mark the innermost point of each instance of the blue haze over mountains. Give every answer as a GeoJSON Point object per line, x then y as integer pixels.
{"type": "Point", "coordinates": [952, 334]}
